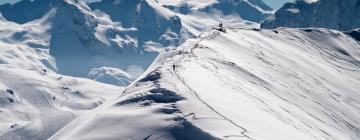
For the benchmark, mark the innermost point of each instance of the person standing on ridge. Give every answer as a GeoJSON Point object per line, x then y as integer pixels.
{"type": "Point", "coordinates": [221, 27]}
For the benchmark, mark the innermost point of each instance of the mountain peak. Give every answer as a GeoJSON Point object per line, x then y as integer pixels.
{"type": "Point", "coordinates": [251, 10]}
{"type": "Point", "coordinates": [333, 14]}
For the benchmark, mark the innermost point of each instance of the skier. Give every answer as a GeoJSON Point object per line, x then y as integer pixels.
{"type": "Point", "coordinates": [43, 71]}
{"type": "Point", "coordinates": [220, 25]}
{"type": "Point", "coordinates": [10, 91]}
{"type": "Point", "coordinates": [173, 66]}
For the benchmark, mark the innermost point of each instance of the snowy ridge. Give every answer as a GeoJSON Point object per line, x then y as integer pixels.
{"type": "Point", "coordinates": [185, 79]}
{"type": "Point", "coordinates": [290, 85]}
{"type": "Point", "coordinates": [333, 14]}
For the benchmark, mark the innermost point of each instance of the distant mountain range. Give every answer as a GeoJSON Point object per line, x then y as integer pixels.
{"type": "Point", "coordinates": [85, 39]}
{"type": "Point", "coordinates": [333, 14]}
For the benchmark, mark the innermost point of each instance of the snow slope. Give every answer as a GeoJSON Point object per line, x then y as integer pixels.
{"type": "Point", "coordinates": [333, 14]}
{"type": "Point", "coordinates": [43, 51]}
{"type": "Point", "coordinates": [36, 99]}
{"type": "Point", "coordinates": [244, 84]}
{"type": "Point", "coordinates": [35, 105]}
{"type": "Point", "coordinates": [251, 10]}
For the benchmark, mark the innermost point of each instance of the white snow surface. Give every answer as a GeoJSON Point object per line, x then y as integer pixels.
{"type": "Point", "coordinates": [77, 39]}
{"type": "Point", "coordinates": [243, 84]}
{"type": "Point", "coordinates": [35, 105]}
{"type": "Point", "coordinates": [246, 83]}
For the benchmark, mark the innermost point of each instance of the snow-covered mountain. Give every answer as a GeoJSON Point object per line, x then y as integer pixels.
{"type": "Point", "coordinates": [185, 79]}
{"type": "Point", "coordinates": [35, 105]}
{"type": "Point", "coordinates": [251, 10]}
{"type": "Point", "coordinates": [86, 43]}
{"type": "Point", "coordinates": [107, 40]}
{"type": "Point", "coordinates": [244, 84]}
{"type": "Point", "coordinates": [333, 14]}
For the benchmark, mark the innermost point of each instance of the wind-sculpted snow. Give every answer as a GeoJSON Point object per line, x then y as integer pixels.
{"type": "Point", "coordinates": [244, 84]}
{"type": "Point", "coordinates": [333, 14]}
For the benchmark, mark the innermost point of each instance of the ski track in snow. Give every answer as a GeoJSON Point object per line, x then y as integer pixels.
{"type": "Point", "coordinates": [213, 35]}
{"type": "Point", "coordinates": [244, 131]}
{"type": "Point", "coordinates": [174, 80]}
{"type": "Point", "coordinates": [247, 83]}
{"type": "Point", "coordinates": [294, 116]}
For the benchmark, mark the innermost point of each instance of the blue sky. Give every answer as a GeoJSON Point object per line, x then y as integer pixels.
{"type": "Point", "coordinates": [276, 4]}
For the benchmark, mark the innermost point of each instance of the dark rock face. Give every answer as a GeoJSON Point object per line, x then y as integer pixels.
{"type": "Point", "coordinates": [354, 34]}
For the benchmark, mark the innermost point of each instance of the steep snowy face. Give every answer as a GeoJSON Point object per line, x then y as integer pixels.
{"type": "Point", "coordinates": [82, 40]}
{"type": "Point", "coordinates": [244, 84]}
{"type": "Point", "coordinates": [333, 14]}
{"type": "Point", "coordinates": [36, 104]}
{"type": "Point", "coordinates": [251, 10]}
{"type": "Point", "coordinates": [117, 35]}
{"type": "Point", "coordinates": [154, 24]}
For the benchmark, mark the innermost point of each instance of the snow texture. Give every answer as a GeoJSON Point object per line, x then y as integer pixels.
{"type": "Point", "coordinates": [251, 10]}
{"type": "Point", "coordinates": [243, 84]}
{"type": "Point", "coordinates": [76, 39]}
{"type": "Point", "coordinates": [64, 67]}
